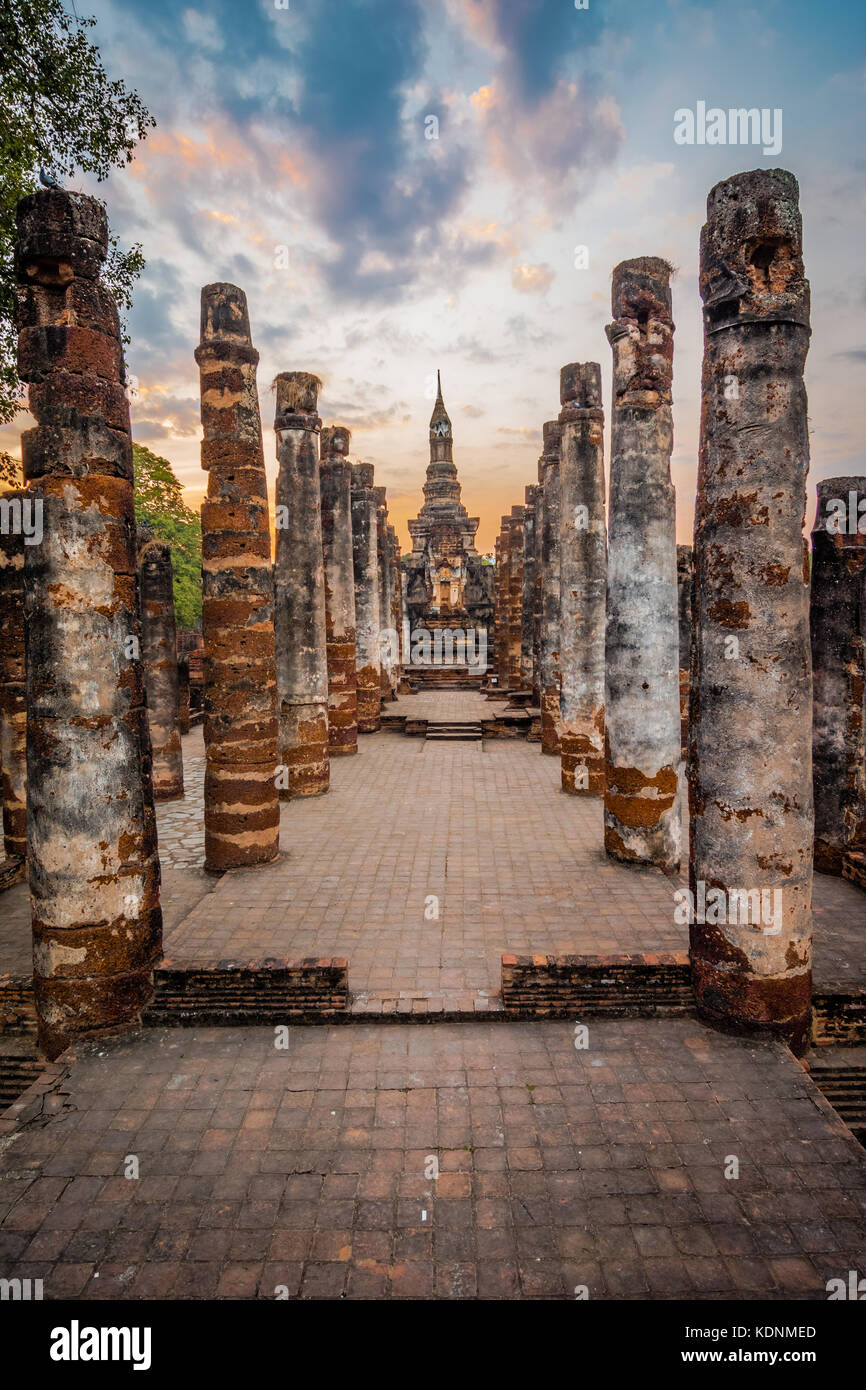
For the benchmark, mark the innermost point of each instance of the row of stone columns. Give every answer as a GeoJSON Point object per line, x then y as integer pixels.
{"type": "Point", "coordinates": [629, 624]}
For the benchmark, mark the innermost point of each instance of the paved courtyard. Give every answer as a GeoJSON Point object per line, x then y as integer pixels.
{"type": "Point", "coordinates": [312, 1170]}
{"type": "Point", "coordinates": [480, 834]}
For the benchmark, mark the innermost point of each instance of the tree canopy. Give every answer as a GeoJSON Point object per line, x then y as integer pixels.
{"type": "Point", "coordinates": [159, 501]}
{"type": "Point", "coordinates": [59, 110]}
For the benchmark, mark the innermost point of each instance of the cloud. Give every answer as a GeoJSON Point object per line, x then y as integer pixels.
{"type": "Point", "coordinates": [532, 279]}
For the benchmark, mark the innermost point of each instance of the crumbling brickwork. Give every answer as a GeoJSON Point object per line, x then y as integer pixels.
{"type": "Point", "coordinates": [335, 480]}
{"type": "Point", "coordinates": [750, 773]}
{"type": "Point", "coordinates": [241, 808]}
{"type": "Point", "coordinates": [837, 618]}
{"type": "Point", "coordinates": [643, 739]}
{"type": "Point", "coordinates": [299, 590]}
{"type": "Point", "coordinates": [583, 566]}
{"type": "Point", "coordinates": [91, 832]}
{"type": "Point", "coordinates": [159, 653]}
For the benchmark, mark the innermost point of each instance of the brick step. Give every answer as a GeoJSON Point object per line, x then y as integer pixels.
{"type": "Point", "coordinates": [245, 993]}
{"type": "Point", "coordinates": [854, 868]}
{"type": "Point", "coordinates": [467, 731]}
{"type": "Point", "coordinates": [16, 1074]}
{"type": "Point", "coordinates": [845, 1089]}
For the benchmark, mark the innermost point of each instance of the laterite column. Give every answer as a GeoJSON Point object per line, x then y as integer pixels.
{"type": "Point", "coordinates": [549, 675]}
{"type": "Point", "coordinates": [643, 740]}
{"type": "Point", "coordinates": [750, 762]}
{"type": "Point", "coordinates": [241, 802]}
{"type": "Point", "coordinates": [838, 628]}
{"type": "Point", "coordinates": [299, 590]}
{"type": "Point", "coordinates": [583, 564]}
{"type": "Point", "coordinates": [159, 653]}
{"type": "Point", "coordinates": [366, 571]}
{"type": "Point", "coordinates": [335, 481]}
{"type": "Point", "coordinates": [91, 832]}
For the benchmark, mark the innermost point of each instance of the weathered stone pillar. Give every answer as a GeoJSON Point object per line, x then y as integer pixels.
{"type": "Point", "coordinates": [13, 704]}
{"type": "Point", "coordinates": [527, 597]}
{"type": "Point", "coordinates": [503, 589]}
{"type": "Point", "coordinates": [537, 608]}
{"type": "Point", "coordinates": [643, 741]}
{"type": "Point", "coordinates": [299, 591]}
{"type": "Point", "coordinates": [241, 803]}
{"type": "Point", "coordinates": [396, 621]}
{"type": "Point", "coordinates": [91, 831]}
{"type": "Point", "coordinates": [183, 722]}
{"type": "Point", "coordinates": [159, 654]}
{"type": "Point", "coordinates": [335, 480]}
{"type": "Point", "coordinates": [750, 764]}
{"type": "Point", "coordinates": [366, 571]}
{"type": "Point", "coordinates": [549, 675]}
{"type": "Point", "coordinates": [685, 604]}
{"type": "Point", "coordinates": [838, 629]}
{"type": "Point", "coordinates": [384, 574]}
{"type": "Point", "coordinates": [583, 566]}
{"type": "Point", "coordinates": [515, 595]}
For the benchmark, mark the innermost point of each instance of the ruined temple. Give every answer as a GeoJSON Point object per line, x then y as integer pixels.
{"type": "Point", "coordinates": [447, 582]}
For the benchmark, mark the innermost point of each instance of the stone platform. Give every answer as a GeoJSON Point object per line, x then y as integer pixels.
{"type": "Point", "coordinates": [310, 1169]}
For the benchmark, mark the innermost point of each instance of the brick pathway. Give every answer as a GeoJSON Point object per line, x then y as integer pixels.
{"type": "Point", "coordinates": [515, 864]}
{"type": "Point", "coordinates": [310, 1169]}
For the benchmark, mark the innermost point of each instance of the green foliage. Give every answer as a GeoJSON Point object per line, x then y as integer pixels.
{"type": "Point", "coordinates": [159, 501]}
{"type": "Point", "coordinates": [58, 110]}
{"type": "Point", "coordinates": [11, 472]}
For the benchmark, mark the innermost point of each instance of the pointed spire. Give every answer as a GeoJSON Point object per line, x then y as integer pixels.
{"type": "Point", "coordinates": [440, 414]}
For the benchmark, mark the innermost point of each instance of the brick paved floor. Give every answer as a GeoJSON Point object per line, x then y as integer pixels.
{"type": "Point", "coordinates": [557, 1167]}
{"type": "Point", "coordinates": [516, 866]}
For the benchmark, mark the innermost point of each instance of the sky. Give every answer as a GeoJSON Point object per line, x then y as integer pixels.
{"type": "Point", "coordinates": [401, 186]}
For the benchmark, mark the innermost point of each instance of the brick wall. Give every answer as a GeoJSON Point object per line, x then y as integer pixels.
{"type": "Point", "coordinates": [631, 986]}
{"type": "Point", "coordinates": [235, 993]}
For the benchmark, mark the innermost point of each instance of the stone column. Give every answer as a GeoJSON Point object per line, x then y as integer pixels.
{"type": "Point", "coordinates": [241, 803]}
{"type": "Point", "coordinates": [503, 590]}
{"type": "Point", "coordinates": [685, 588]}
{"type": "Point", "coordinates": [366, 572]}
{"type": "Point", "coordinates": [515, 596]}
{"type": "Point", "coordinates": [299, 591]}
{"type": "Point", "coordinates": [549, 675]}
{"type": "Point", "coordinates": [396, 607]}
{"type": "Point", "coordinates": [159, 654]}
{"type": "Point", "coordinates": [537, 608]}
{"type": "Point", "coordinates": [335, 480]}
{"type": "Point", "coordinates": [183, 722]}
{"type": "Point", "coordinates": [91, 831]}
{"type": "Point", "coordinates": [527, 597]}
{"type": "Point", "coordinates": [750, 763]}
{"type": "Point", "coordinates": [13, 704]}
{"type": "Point", "coordinates": [583, 567]}
{"type": "Point", "coordinates": [384, 574]}
{"type": "Point", "coordinates": [643, 742]}
{"type": "Point", "coordinates": [838, 629]}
